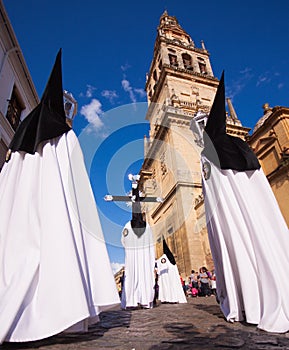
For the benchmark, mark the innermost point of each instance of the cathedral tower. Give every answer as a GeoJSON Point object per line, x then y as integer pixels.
{"type": "Point", "coordinates": [180, 83]}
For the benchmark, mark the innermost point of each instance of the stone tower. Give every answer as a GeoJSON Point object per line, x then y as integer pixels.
{"type": "Point", "coordinates": [180, 82]}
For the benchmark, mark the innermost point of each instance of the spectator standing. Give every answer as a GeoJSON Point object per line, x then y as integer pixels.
{"type": "Point", "coordinates": [213, 283]}
{"type": "Point", "coordinates": [204, 278]}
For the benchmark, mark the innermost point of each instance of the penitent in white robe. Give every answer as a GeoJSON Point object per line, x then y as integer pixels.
{"type": "Point", "coordinates": [170, 286]}
{"type": "Point", "coordinates": [55, 271]}
{"type": "Point", "coordinates": [250, 243]}
{"type": "Point", "coordinates": [139, 279]}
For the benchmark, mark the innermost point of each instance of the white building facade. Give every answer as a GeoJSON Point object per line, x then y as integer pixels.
{"type": "Point", "coordinates": [18, 95]}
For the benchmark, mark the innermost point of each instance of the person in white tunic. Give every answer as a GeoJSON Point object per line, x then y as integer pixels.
{"type": "Point", "coordinates": [248, 235]}
{"type": "Point", "coordinates": [170, 286]}
{"type": "Point", "coordinates": [55, 272]}
{"type": "Point", "coordinates": [139, 278]}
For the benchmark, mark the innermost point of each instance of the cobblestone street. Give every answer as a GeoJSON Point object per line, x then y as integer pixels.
{"type": "Point", "coordinates": [196, 325]}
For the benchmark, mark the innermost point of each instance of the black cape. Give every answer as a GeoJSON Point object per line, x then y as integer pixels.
{"type": "Point", "coordinates": [138, 224]}
{"type": "Point", "coordinates": [47, 120]}
{"type": "Point", "coordinates": [225, 151]}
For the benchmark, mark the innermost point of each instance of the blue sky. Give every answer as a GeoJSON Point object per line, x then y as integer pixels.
{"type": "Point", "coordinates": [107, 51]}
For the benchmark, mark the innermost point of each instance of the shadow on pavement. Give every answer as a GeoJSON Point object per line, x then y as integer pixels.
{"type": "Point", "coordinates": [108, 320]}
{"type": "Point", "coordinates": [186, 336]}
{"type": "Point", "coordinates": [199, 334]}
{"type": "Point", "coordinates": [211, 309]}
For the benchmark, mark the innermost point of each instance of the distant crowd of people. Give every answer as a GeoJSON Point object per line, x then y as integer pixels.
{"type": "Point", "coordinates": [200, 283]}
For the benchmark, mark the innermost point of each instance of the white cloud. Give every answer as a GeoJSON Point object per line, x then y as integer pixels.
{"type": "Point", "coordinates": [263, 79]}
{"type": "Point", "coordinates": [89, 91]}
{"type": "Point", "coordinates": [125, 67]}
{"type": "Point", "coordinates": [92, 113]}
{"type": "Point", "coordinates": [238, 85]}
{"type": "Point", "coordinates": [111, 95]}
{"type": "Point", "coordinates": [126, 85]}
{"type": "Point", "coordinates": [132, 91]}
{"type": "Point", "coordinates": [141, 92]}
{"type": "Point", "coordinates": [246, 71]}
{"type": "Point", "coordinates": [127, 88]}
{"type": "Point", "coordinates": [271, 77]}
{"type": "Point", "coordinates": [116, 267]}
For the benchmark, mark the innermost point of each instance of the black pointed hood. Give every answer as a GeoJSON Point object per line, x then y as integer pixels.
{"type": "Point", "coordinates": [225, 151]}
{"type": "Point", "coordinates": [138, 224]}
{"type": "Point", "coordinates": [45, 121]}
{"type": "Point", "coordinates": [168, 253]}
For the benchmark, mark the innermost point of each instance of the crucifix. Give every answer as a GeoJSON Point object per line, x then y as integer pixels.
{"type": "Point", "coordinates": [134, 196]}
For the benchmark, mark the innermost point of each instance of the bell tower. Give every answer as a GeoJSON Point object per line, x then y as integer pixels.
{"type": "Point", "coordinates": [180, 73]}
{"type": "Point", "coordinates": [180, 83]}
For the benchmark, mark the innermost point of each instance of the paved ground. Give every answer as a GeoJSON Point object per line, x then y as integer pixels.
{"type": "Point", "coordinates": [196, 325]}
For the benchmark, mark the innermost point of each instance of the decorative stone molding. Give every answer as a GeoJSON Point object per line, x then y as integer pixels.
{"type": "Point", "coordinates": [199, 200]}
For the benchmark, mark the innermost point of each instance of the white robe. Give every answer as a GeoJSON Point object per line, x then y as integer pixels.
{"type": "Point", "coordinates": [55, 271]}
{"type": "Point", "coordinates": [249, 240]}
{"type": "Point", "coordinates": [170, 286]}
{"type": "Point", "coordinates": [139, 279]}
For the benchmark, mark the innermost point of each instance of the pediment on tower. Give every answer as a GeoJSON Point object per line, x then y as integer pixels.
{"type": "Point", "coordinates": [263, 143]}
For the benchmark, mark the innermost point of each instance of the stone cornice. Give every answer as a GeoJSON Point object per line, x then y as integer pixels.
{"type": "Point", "coordinates": [183, 46]}
{"type": "Point", "coordinates": [283, 169]}
{"type": "Point", "coordinates": [179, 72]}
{"type": "Point", "coordinates": [171, 193]}
{"type": "Point", "coordinates": [192, 73]}
{"type": "Point", "coordinates": [237, 130]}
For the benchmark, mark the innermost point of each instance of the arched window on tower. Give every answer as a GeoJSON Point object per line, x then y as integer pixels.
{"type": "Point", "coordinates": [155, 76]}
{"type": "Point", "coordinates": [202, 65]}
{"type": "Point", "coordinates": [173, 60]}
{"type": "Point", "coordinates": [187, 61]}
